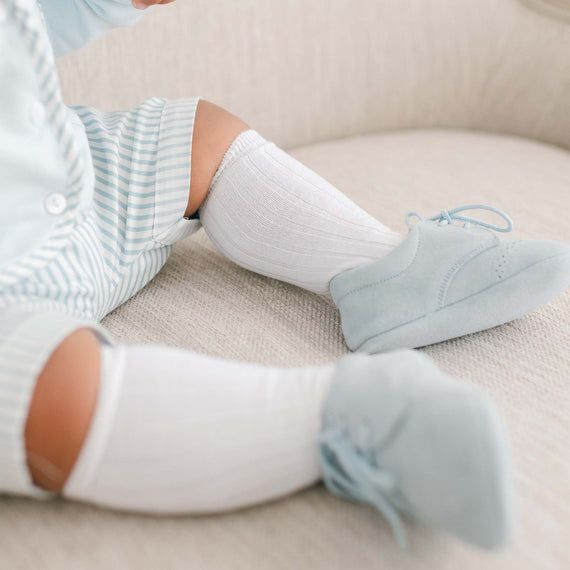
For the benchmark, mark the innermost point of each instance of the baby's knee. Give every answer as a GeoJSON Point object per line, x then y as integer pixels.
{"type": "Point", "coordinates": [216, 123]}
{"type": "Point", "coordinates": [214, 131]}
{"type": "Point", "coordinates": [62, 406]}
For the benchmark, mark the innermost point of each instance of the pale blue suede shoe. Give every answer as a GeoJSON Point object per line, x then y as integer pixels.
{"type": "Point", "coordinates": [446, 281]}
{"type": "Point", "coordinates": [399, 434]}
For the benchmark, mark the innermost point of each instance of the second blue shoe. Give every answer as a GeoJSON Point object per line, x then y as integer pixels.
{"type": "Point", "coordinates": [403, 436]}
{"type": "Point", "coordinates": [444, 281]}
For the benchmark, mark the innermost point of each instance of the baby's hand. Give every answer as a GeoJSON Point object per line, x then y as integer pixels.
{"type": "Point", "coordinates": [143, 4]}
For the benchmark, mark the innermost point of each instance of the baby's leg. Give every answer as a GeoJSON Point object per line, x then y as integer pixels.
{"type": "Point", "coordinates": [270, 213]}
{"type": "Point", "coordinates": [173, 431]}
{"type": "Point", "coordinates": [214, 130]}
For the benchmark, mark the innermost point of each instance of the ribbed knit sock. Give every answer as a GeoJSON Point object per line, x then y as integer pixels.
{"type": "Point", "coordinates": [270, 213]}
{"type": "Point", "coordinates": [176, 431]}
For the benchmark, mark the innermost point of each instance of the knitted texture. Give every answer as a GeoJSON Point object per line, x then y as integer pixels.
{"type": "Point", "coordinates": [273, 215]}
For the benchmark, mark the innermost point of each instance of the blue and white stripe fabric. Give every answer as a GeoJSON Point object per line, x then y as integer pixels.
{"type": "Point", "coordinates": [141, 158]}
{"type": "Point", "coordinates": [112, 213]}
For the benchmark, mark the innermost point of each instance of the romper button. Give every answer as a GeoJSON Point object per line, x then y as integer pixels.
{"type": "Point", "coordinates": [55, 203]}
{"type": "Point", "coordinates": [37, 114]}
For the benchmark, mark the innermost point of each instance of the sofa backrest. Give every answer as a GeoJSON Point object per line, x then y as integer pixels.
{"type": "Point", "coordinates": [301, 71]}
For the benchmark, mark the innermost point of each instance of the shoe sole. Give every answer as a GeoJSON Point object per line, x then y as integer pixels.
{"type": "Point", "coordinates": [494, 306]}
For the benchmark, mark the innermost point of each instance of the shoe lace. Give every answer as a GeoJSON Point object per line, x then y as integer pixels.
{"type": "Point", "coordinates": [350, 474]}
{"type": "Point", "coordinates": [446, 217]}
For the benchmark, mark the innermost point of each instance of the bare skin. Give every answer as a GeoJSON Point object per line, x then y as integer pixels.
{"type": "Point", "coordinates": [214, 131]}
{"type": "Point", "coordinates": [65, 395]}
{"type": "Point", "coordinates": [62, 406]}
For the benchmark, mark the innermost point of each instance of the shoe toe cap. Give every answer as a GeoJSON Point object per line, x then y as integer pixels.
{"type": "Point", "coordinates": [512, 261]}
{"type": "Point", "coordinates": [518, 255]}
{"type": "Point", "coordinates": [452, 462]}
{"type": "Point", "coordinates": [441, 440]}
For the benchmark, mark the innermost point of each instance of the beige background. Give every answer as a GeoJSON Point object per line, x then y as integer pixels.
{"type": "Point", "coordinates": [303, 71]}
{"type": "Point", "coordinates": [318, 70]}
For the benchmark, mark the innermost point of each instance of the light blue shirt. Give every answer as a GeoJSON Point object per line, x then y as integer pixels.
{"type": "Point", "coordinates": [46, 172]}
{"type": "Point", "coordinates": [71, 24]}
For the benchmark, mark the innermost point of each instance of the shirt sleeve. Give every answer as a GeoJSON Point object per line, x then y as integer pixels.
{"type": "Point", "coordinates": [72, 24]}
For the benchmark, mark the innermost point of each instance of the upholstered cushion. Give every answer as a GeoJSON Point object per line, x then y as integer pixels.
{"type": "Point", "coordinates": [202, 301]}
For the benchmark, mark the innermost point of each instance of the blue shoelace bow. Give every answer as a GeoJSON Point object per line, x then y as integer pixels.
{"type": "Point", "coordinates": [448, 216]}
{"type": "Point", "coordinates": [358, 479]}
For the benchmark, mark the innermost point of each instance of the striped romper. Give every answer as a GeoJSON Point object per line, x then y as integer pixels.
{"type": "Point", "coordinates": [133, 169]}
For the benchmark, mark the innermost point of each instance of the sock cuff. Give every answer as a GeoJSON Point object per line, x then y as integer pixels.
{"type": "Point", "coordinates": [244, 142]}
{"type": "Point", "coordinates": [110, 386]}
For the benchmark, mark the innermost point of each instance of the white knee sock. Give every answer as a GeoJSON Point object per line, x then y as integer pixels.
{"type": "Point", "coordinates": [271, 214]}
{"type": "Point", "coordinates": [176, 431]}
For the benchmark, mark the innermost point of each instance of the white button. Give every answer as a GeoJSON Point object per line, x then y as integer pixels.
{"type": "Point", "coordinates": [37, 114]}
{"type": "Point", "coordinates": [55, 203]}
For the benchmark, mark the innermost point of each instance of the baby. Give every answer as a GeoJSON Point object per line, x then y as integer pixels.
{"type": "Point", "coordinates": [92, 203]}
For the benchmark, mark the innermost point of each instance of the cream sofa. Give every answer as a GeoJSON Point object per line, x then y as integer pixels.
{"type": "Point", "coordinates": [410, 105]}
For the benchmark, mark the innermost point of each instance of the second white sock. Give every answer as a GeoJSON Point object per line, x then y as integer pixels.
{"type": "Point", "coordinates": [176, 431]}
{"type": "Point", "coordinates": [271, 214]}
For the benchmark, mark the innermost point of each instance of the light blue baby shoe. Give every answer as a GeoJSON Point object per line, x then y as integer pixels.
{"type": "Point", "coordinates": [399, 434]}
{"type": "Point", "coordinates": [445, 281]}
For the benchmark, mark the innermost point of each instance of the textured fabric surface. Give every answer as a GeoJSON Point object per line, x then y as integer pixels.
{"type": "Point", "coordinates": [271, 214]}
{"type": "Point", "coordinates": [301, 71]}
{"type": "Point", "coordinates": [202, 301]}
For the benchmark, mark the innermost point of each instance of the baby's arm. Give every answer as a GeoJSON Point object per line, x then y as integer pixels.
{"type": "Point", "coordinates": [73, 24]}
